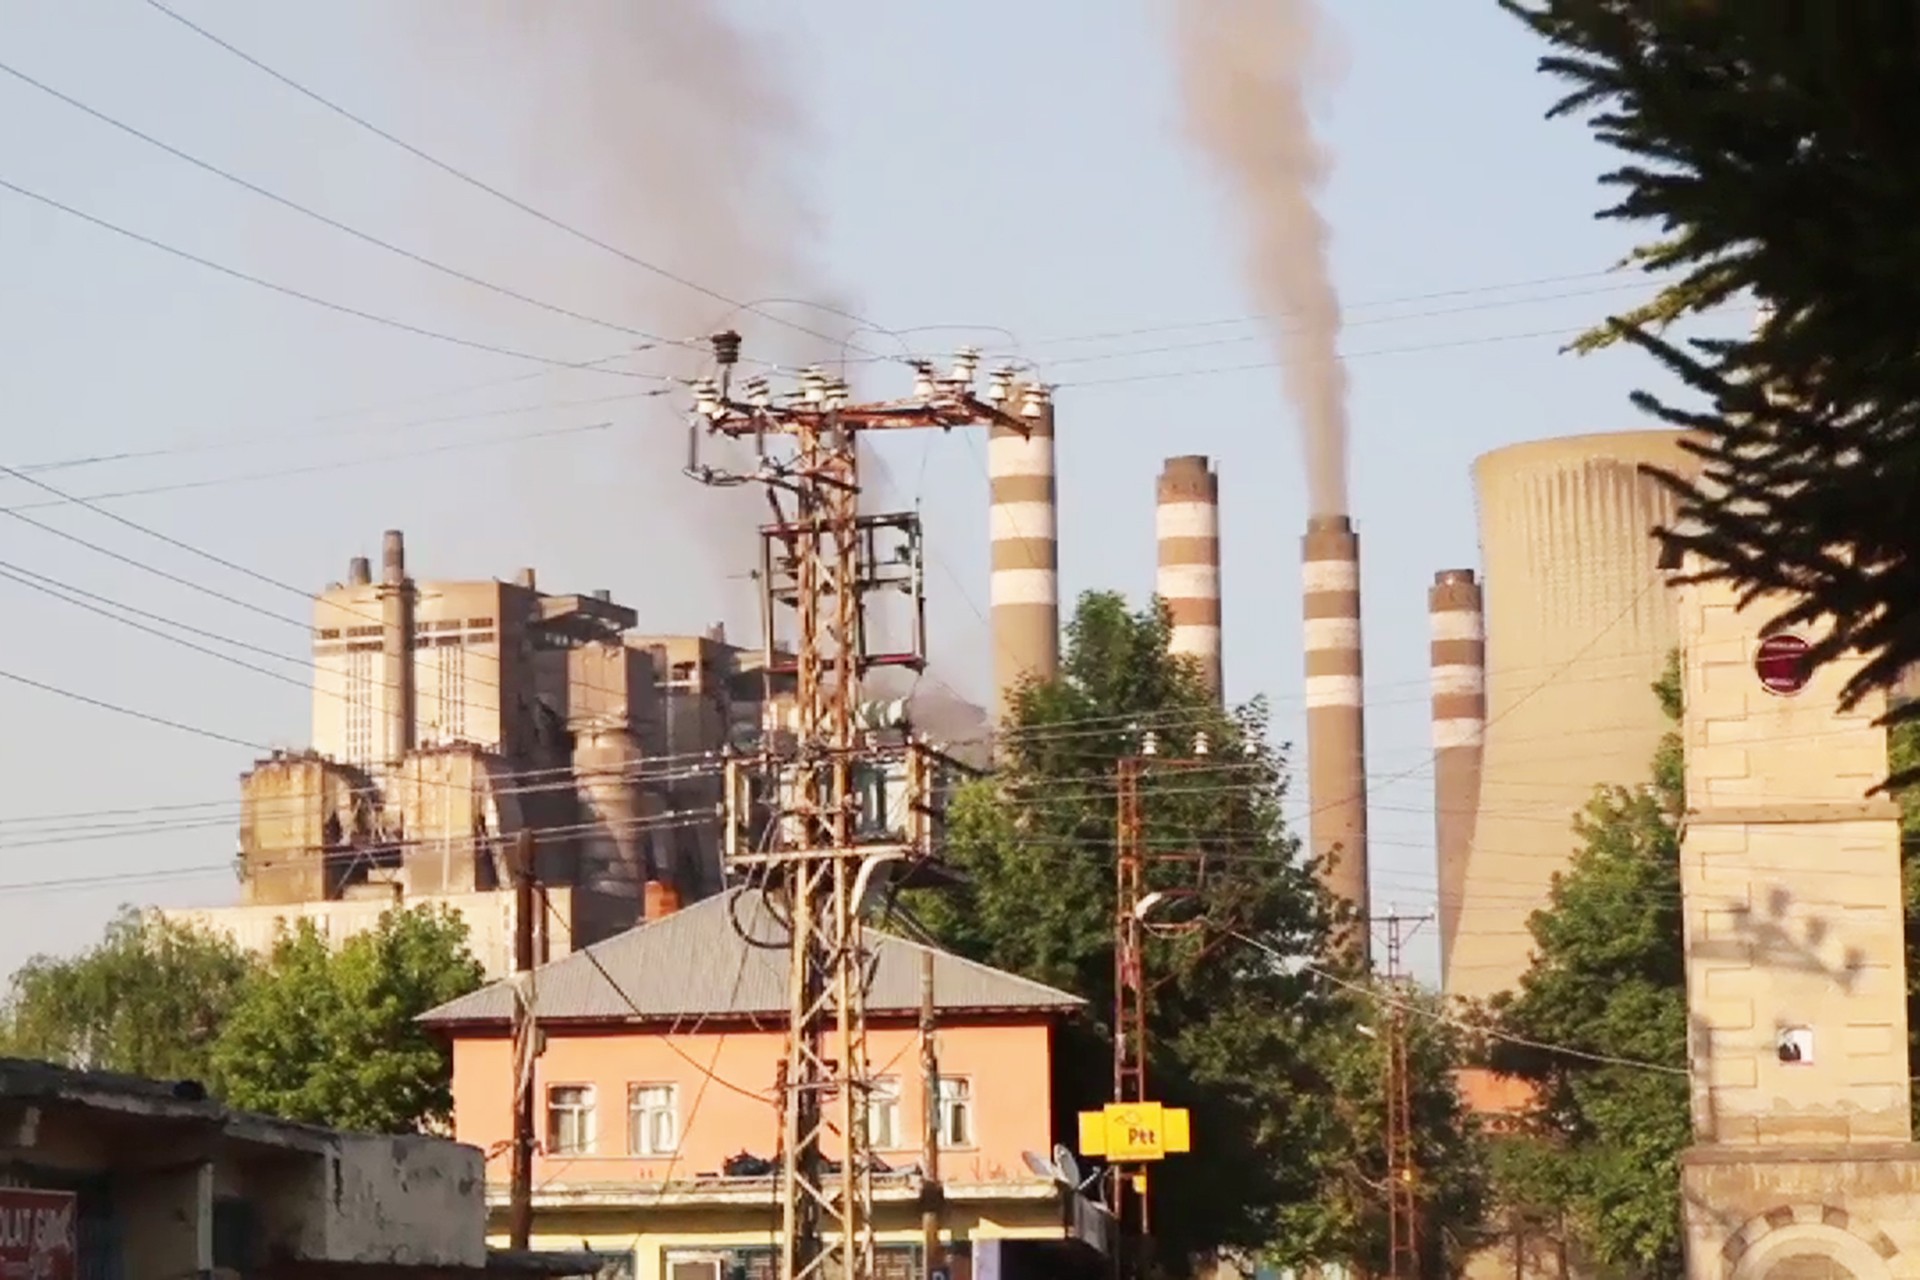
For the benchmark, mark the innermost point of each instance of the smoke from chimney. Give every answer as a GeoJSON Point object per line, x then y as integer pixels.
{"type": "Point", "coordinates": [1244, 68]}
{"type": "Point", "coordinates": [670, 134]}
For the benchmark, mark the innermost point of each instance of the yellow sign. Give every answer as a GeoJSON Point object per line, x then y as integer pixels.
{"type": "Point", "coordinates": [1133, 1131]}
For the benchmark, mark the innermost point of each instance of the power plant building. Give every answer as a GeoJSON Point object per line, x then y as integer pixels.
{"type": "Point", "coordinates": [449, 717]}
{"type": "Point", "coordinates": [1578, 627]}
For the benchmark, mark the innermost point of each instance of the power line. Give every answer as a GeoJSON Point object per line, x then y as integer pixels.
{"type": "Point", "coordinates": [324, 219]}
{"type": "Point", "coordinates": [461, 175]}
{"type": "Point", "coordinates": [342, 308]}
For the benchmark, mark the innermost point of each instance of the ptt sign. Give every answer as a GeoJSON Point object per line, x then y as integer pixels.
{"type": "Point", "coordinates": [1129, 1132]}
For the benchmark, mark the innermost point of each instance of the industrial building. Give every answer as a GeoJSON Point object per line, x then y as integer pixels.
{"type": "Point", "coordinates": [449, 717]}
{"type": "Point", "coordinates": [1547, 692]}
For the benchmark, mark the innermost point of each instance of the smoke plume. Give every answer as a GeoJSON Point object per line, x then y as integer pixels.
{"type": "Point", "coordinates": [1244, 71]}
{"type": "Point", "coordinates": [671, 133]}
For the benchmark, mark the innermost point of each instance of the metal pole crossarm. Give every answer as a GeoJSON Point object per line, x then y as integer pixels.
{"type": "Point", "coordinates": [800, 818]}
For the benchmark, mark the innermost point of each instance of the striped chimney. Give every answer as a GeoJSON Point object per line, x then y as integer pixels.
{"type": "Point", "coordinates": [1336, 728]}
{"type": "Point", "coordinates": [1024, 587]}
{"type": "Point", "coordinates": [1459, 724]}
{"type": "Point", "coordinates": [1187, 522]}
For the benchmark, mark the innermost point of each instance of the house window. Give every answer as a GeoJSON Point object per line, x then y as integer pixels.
{"type": "Point", "coordinates": [883, 1114]}
{"type": "Point", "coordinates": [569, 1120]}
{"type": "Point", "coordinates": [956, 1111]}
{"type": "Point", "coordinates": [653, 1119]}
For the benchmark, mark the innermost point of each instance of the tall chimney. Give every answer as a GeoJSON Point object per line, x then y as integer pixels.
{"type": "Point", "coordinates": [1187, 521]}
{"type": "Point", "coordinates": [359, 572]}
{"type": "Point", "coordinates": [396, 646]}
{"type": "Point", "coordinates": [1336, 726]}
{"type": "Point", "coordinates": [1024, 586]}
{"type": "Point", "coordinates": [525, 578]}
{"type": "Point", "coordinates": [1459, 724]}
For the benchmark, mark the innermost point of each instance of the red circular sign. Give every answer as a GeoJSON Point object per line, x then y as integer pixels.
{"type": "Point", "coordinates": [1783, 664]}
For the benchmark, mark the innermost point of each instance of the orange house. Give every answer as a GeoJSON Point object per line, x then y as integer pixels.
{"type": "Point", "coordinates": [655, 1091]}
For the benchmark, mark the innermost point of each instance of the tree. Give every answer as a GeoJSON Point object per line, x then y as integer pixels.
{"type": "Point", "coordinates": [331, 1038]}
{"type": "Point", "coordinates": [148, 999]}
{"type": "Point", "coordinates": [1249, 1028]}
{"type": "Point", "coordinates": [1608, 985]}
{"type": "Point", "coordinates": [1774, 147]}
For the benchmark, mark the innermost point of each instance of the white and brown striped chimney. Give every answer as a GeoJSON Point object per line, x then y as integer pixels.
{"type": "Point", "coordinates": [1459, 656]}
{"type": "Point", "coordinates": [1187, 523]}
{"type": "Point", "coordinates": [1336, 725]}
{"type": "Point", "coordinates": [1024, 587]}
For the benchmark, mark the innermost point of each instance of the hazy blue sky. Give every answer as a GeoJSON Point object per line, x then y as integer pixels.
{"type": "Point", "coordinates": [988, 164]}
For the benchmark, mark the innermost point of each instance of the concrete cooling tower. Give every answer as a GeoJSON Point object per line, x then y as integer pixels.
{"type": "Point", "coordinates": [1578, 627]}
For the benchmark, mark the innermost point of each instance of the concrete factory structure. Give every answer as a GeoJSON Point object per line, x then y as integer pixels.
{"type": "Point", "coordinates": [1336, 721]}
{"type": "Point", "coordinates": [1577, 628]}
{"type": "Point", "coordinates": [448, 717]}
{"type": "Point", "coordinates": [1024, 583]}
{"type": "Point", "coordinates": [1187, 528]}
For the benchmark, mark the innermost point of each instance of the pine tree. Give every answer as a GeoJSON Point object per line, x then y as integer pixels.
{"type": "Point", "coordinates": [1775, 148]}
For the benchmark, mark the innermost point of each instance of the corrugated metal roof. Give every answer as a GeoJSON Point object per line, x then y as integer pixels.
{"type": "Point", "coordinates": [726, 957]}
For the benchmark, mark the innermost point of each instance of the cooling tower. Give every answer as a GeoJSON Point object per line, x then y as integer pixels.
{"type": "Point", "coordinates": [1187, 526]}
{"type": "Point", "coordinates": [1578, 629]}
{"type": "Point", "coordinates": [1024, 586]}
{"type": "Point", "coordinates": [1336, 731]}
{"type": "Point", "coordinates": [1458, 653]}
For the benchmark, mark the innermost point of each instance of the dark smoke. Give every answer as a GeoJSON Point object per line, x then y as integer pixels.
{"type": "Point", "coordinates": [1244, 70]}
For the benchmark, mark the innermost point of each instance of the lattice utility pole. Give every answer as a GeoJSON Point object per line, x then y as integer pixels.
{"type": "Point", "coordinates": [820, 558]}
{"type": "Point", "coordinates": [1131, 989]}
{"type": "Point", "coordinates": [1403, 1173]}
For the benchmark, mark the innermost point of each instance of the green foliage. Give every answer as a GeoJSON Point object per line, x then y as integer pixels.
{"type": "Point", "coordinates": [306, 1035]}
{"type": "Point", "coordinates": [1608, 980]}
{"type": "Point", "coordinates": [332, 1038]}
{"type": "Point", "coordinates": [1284, 1094]}
{"type": "Point", "coordinates": [149, 999]}
{"type": "Point", "coordinates": [1771, 148]}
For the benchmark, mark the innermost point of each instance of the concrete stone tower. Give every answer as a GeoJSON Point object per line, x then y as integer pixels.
{"type": "Point", "coordinates": [1458, 654]}
{"type": "Point", "coordinates": [1336, 714]}
{"type": "Point", "coordinates": [1024, 583]}
{"type": "Point", "coordinates": [1803, 1166]}
{"type": "Point", "coordinates": [1187, 526]}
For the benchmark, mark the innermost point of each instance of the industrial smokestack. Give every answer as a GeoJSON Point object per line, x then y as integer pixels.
{"type": "Point", "coordinates": [359, 572]}
{"type": "Point", "coordinates": [1187, 522]}
{"type": "Point", "coordinates": [1336, 727]}
{"type": "Point", "coordinates": [396, 647]}
{"type": "Point", "coordinates": [1459, 657]}
{"type": "Point", "coordinates": [525, 578]}
{"type": "Point", "coordinates": [1024, 586]}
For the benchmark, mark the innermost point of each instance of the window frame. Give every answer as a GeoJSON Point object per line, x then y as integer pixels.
{"type": "Point", "coordinates": [636, 1126]}
{"type": "Point", "coordinates": [967, 1101]}
{"type": "Point", "coordinates": [892, 1088]}
{"type": "Point", "coordinates": [589, 1112]}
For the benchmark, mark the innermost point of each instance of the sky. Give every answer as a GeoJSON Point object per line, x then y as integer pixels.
{"type": "Point", "coordinates": [1008, 175]}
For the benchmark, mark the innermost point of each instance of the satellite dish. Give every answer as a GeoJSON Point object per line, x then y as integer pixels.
{"type": "Point", "coordinates": [1038, 1164]}
{"type": "Point", "coordinates": [1068, 1168]}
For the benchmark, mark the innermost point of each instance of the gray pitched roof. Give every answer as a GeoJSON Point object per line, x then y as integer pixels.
{"type": "Point", "coordinates": [696, 962]}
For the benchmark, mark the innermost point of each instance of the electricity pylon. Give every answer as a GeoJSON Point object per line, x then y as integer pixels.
{"type": "Point", "coordinates": [820, 558]}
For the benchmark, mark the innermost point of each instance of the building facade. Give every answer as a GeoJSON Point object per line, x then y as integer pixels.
{"type": "Point", "coordinates": [657, 1095]}
{"type": "Point", "coordinates": [107, 1177]}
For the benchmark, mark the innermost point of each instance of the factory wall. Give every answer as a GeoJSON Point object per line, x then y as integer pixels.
{"type": "Point", "coordinates": [1578, 629]}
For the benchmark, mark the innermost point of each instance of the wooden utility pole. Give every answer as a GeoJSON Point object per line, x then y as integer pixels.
{"type": "Point", "coordinates": [932, 1193]}
{"type": "Point", "coordinates": [521, 869]}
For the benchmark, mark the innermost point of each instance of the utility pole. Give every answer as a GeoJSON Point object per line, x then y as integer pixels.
{"type": "Point", "coordinates": [1131, 988]}
{"type": "Point", "coordinates": [520, 866]}
{"type": "Point", "coordinates": [1403, 1173]}
{"type": "Point", "coordinates": [820, 559]}
{"type": "Point", "coordinates": [932, 1192]}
